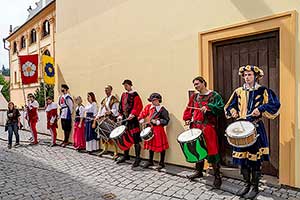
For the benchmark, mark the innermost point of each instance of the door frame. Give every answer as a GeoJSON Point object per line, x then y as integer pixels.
{"type": "Point", "coordinates": [286, 24]}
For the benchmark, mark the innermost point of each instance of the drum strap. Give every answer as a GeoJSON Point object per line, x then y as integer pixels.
{"type": "Point", "coordinates": [201, 122]}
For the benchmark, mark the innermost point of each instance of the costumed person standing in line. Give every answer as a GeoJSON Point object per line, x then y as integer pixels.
{"type": "Point", "coordinates": [251, 102]}
{"type": "Point", "coordinates": [109, 108]}
{"type": "Point", "coordinates": [202, 111]}
{"type": "Point", "coordinates": [130, 108]}
{"type": "Point", "coordinates": [157, 117]}
{"type": "Point", "coordinates": [51, 113]}
{"type": "Point", "coordinates": [32, 116]}
{"type": "Point", "coordinates": [65, 102]}
{"type": "Point", "coordinates": [78, 134]}
{"type": "Point", "coordinates": [91, 110]}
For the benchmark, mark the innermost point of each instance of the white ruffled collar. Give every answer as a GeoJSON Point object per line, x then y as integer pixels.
{"type": "Point", "coordinates": [51, 106]}
{"type": "Point", "coordinates": [157, 108]}
{"type": "Point", "coordinates": [256, 86]}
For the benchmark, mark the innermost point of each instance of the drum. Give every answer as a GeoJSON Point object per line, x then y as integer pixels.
{"type": "Point", "coordinates": [105, 127]}
{"type": "Point", "coordinates": [193, 145]}
{"type": "Point", "coordinates": [121, 137]}
{"type": "Point", "coordinates": [241, 134]}
{"type": "Point", "coordinates": [147, 134]}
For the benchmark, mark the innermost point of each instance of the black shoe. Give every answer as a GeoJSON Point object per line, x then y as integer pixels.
{"type": "Point", "coordinates": [9, 146]}
{"type": "Point", "coordinates": [244, 190]}
{"type": "Point", "coordinates": [217, 182]}
{"type": "Point", "coordinates": [148, 164]}
{"type": "Point", "coordinates": [136, 162]}
{"type": "Point", "coordinates": [195, 175]}
{"type": "Point", "coordinates": [252, 193]}
{"type": "Point", "coordinates": [53, 145]}
{"type": "Point", "coordinates": [65, 144]}
{"type": "Point", "coordinates": [160, 166]}
{"type": "Point", "coordinates": [80, 150]}
{"type": "Point", "coordinates": [16, 145]}
{"type": "Point", "coordinates": [122, 159]}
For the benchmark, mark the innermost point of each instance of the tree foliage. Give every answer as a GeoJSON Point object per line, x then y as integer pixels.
{"type": "Point", "coordinates": [40, 94]}
{"type": "Point", "coordinates": [5, 89]}
{"type": "Point", "coordinates": [5, 71]}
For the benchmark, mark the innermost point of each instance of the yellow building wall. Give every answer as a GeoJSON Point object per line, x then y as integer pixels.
{"type": "Point", "coordinates": [154, 43]}
{"type": "Point", "coordinates": [39, 47]}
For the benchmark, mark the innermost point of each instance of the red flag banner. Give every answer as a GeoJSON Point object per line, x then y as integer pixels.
{"type": "Point", "coordinates": [29, 68]}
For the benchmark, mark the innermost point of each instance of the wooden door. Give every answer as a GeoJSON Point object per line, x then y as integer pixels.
{"type": "Point", "coordinates": [261, 50]}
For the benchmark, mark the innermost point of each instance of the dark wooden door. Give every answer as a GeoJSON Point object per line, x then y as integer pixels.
{"type": "Point", "coordinates": [261, 50]}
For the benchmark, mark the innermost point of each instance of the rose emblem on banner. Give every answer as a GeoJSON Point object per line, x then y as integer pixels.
{"type": "Point", "coordinates": [28, 69]}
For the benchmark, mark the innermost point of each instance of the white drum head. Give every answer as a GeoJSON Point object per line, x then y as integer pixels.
{"type": "Point", "coordinates": [240, 129]}
{"type": "Point", "coordinates": [145, 131]}
{"type": "Point", "coordinates": [189, 135]}
{"type": "Point", "coordinates": [117, 131]}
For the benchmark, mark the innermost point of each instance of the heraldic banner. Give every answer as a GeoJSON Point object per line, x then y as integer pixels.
{"type": "Point", "coordinates": [29, 68]}
{"type": "Point", "coordinates": [49, 72]}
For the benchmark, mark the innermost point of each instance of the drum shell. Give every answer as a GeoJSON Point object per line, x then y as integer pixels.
{"type": "Point", "coordinates": [148, 137]}
{"type": "Point", "coordinates": [105, 127]}
{"type": "Point", "coordinates": [124, 141]}
{"type": "Point", "coordinates": [242, 141]}
{"type": "Point", "coordinates": [194, 150]}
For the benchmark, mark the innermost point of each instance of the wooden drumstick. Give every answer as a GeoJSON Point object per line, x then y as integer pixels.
{"type": "Point", "coordinates": [193, 107]}
{"type": "Point", "coordinates": [241, 122]}
{"type": "Point", "coordinates": [242, 126]}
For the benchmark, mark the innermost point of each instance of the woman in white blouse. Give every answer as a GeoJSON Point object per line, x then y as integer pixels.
{"type": "Point", "coordinates": [91, 110]}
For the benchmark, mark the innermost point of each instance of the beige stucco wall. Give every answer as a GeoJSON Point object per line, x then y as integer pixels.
{"type": "Point", "coordinates": [154, 43]}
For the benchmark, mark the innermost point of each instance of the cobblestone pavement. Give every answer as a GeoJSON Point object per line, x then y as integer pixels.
{"type": "Point", "coordinates": [42, 172]}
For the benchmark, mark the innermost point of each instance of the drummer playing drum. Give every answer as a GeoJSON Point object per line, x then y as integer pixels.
{"type": "Point", "coordinates": [251, 102]}
{"type": "Point", "coordinates": [109, 108]}
{"type": "Point", "coordinates": [203, 108]}
{"type": "Point", "coordinates": [130, 108]}
{"type": "Point", "coordinates": [156, 116]}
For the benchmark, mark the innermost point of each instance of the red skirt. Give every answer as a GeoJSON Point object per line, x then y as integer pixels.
{"type": "Point", "coordinates": [78, 136]}
{"type": "Point", "coordinates": [159, 142]}
{"type": "Point", "coordinates": [211, 138]}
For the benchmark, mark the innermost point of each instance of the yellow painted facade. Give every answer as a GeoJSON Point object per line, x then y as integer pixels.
{"type": "Point", "coordinates": [40, 46]}
{"type": "Point", "coordinates": [160, 46]}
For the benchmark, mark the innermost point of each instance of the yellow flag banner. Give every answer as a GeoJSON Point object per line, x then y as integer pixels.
{"type": "Point", "coordinates": [49, 71]}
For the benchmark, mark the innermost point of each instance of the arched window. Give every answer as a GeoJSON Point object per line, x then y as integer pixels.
{"type": "Point", "coordinates": [46, 28]}
{"type": "Point", "coordinates": [32, 36]}
{"type": "Point", "coordinates": [15, 47]}
{"type": "Point", "coordinates": [47, 52]}
{"type": "Point", "coordinates": [23, 42]}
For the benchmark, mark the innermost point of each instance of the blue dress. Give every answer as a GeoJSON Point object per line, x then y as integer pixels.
{"type": "Point", "coordinates": [91, 112]}
{"type": "Point", "coordinates": [244, 101]}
